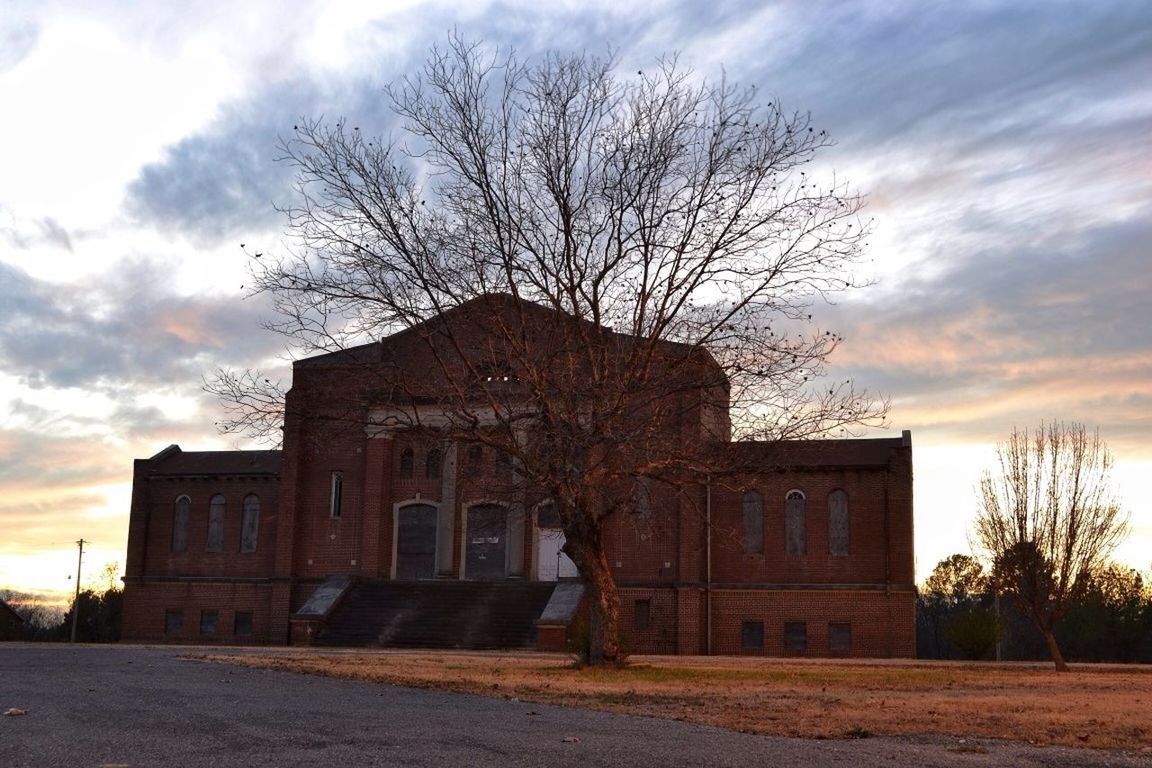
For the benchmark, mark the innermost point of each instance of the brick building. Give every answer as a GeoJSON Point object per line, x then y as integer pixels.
{"type": "Point", "coordinates": [371, 527]}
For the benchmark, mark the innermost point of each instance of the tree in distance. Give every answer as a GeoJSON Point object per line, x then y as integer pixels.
{"type": "Point", "coordinates": [955, 598]}
{"type": "Point", "coordinates": [666, 224]}
{"type": "Point", "coordinates": [1048, 520]}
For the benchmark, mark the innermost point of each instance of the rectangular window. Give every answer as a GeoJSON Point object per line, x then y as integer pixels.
{"type": "Point", "coordinates": [642, 615]}
{"type": "Point", "coordinates": [208, 621]}
{"type": "Point", "coordinates": [795, 637]}
{"type": "Point", "coordinates": [840, 637]}
{"type": "Point", "coordinates": [242, 627]}
{"type": "Point", "coordinates": [173, 622]}
{"type": "Point", "coordinates": [752, 636]}
{"type": "Point", "coordinates": [336, 501]}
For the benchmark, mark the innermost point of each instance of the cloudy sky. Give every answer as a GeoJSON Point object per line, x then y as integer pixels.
{"type": "Point", "coordinates": [1004, 146]}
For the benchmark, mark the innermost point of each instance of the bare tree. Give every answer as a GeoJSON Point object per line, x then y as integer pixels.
{"type": "Point", "coordinates": [1049, 520]}
{"type": "Point", "coordinates": [666, 225]}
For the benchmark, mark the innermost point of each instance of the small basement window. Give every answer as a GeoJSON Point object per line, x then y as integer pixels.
{"type": "Point", "coordinates": [208, 623]}
{"type": "Point", "coordinates": [752, 636]}
{"type": "Point", "coordinates": [795, 637]}
{"type": "Point", "coordinates": [840, 637]}
{"type": "Point", "coordinates": [642, 615]}
{"type": "Point", "coordinates": [173, 622]}
{"type": "Point", "coordinates": [242, 624]}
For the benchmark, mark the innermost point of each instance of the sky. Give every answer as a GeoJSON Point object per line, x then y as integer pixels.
{"type": "Point", "coordinates": [1003, 146]}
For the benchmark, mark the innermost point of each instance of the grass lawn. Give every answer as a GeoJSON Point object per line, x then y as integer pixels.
{"type": "Point", "coordinates": [1107, 707]}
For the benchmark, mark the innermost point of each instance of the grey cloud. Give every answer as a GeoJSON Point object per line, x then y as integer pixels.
{"type": "Point", "coordinates": [225, 184]}
{"type": "Point", "coordinates": [35, 460]}
{"type": "Point", "coordinates": [42, 231]}
{"type": "Point", "coordinates": [124, 328]}
{"type": "Point", "coordinates": [16, 42]}
{"type": "Point", "coordinates": [1068, 311]}
{"type": "Point", "coordinates": [886, 73]}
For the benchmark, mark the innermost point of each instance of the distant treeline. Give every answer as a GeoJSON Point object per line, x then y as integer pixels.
{"type": "Point", "coordinates": [1110, 619]}
{"type": "Point", "coordinates": [99, 618]}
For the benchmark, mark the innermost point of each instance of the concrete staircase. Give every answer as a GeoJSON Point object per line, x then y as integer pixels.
{"type": "Point", "coordinates": [437, 614]}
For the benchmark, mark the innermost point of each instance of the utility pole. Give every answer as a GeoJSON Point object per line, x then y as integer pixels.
{"type": "Point", "coordinates": [76, 599]}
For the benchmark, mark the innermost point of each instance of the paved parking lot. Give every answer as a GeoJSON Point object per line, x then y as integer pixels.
{"type": "Point", "coordinates": [140, 706]}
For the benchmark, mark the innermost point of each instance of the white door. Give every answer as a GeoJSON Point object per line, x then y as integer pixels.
{"type": "Point", "coordinates": [551, 563]}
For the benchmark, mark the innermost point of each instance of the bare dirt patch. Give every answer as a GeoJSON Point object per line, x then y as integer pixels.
{"type": "Point", "coordinates": [1093, 706]}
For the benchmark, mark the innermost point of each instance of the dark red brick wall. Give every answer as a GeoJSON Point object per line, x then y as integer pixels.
{"type": "Point", "coordinates": [145, 605]}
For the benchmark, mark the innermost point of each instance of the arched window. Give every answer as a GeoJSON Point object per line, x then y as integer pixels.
{"type": "Point", "coordinates": [795, 533]}
{"type": "Point", "coordinates": [406, 460]}
{"type": "Point", "coordinates": [838, 523]}
{"type": "Point", "coordinates": [180, 515]}
{"type": "Point", "coordinates": [250, 523]}
{"type": "Point", "coordinates": [433, 464]}
{"type": "Point", "coordinates": [215, 540]}
{"type": "Point", "coordinates": [753, 505]}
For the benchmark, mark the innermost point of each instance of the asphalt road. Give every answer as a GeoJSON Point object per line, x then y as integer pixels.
{"type": "Point", "coordinates": [137, 706]}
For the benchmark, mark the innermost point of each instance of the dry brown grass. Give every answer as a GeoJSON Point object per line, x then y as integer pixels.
{"type": "Point", "coordinates": [1092, 706]}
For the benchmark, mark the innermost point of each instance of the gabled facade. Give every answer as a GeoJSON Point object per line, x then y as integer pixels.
{"type": "Point", "coordinates": [802, 548]}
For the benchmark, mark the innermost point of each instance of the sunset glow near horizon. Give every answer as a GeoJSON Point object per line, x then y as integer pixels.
{"type": "Point", "coordinates": [1003, 149]}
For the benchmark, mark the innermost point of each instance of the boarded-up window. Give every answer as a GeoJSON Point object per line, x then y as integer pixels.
{"type": "Point", "coordinates": [180, 515]}
{"type": "Point", "coordinates": [173, 622]}
{"type": "Point", "coordinates": [432, 464]}
{"type": "Point", "coordinates": [208, 622]}
{"type": "Point", "coordinates": [336, 496]}
{"type": "Point", "coordinates": [795, 637]}
{"type": "Point", "coordinates": [840, 637]}
{"type": "Point", "coordinates": [795, 534]}
{"type": "Point", "coordinates": [242, 625]}
{"type": "Point", "coordinates": [642, 615]}
{"type": "Point", "coordinates": [215, 540]}
{"type": "Point", "coordinates": [753, 523]}
{"type": "Point", "coordinates": [838, 527]}
{"type": "Point", "coordinates": [406, 462]}
{"type": "Point", "coordinates": [250, 523]}
{"type": "Point", "coordinates": [752, 636]}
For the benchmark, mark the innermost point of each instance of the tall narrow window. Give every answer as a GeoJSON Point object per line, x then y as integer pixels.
{"type": "Point", "coordinates": [336, 499]}
{"type": "Point", "coordinates": [642, 497]}
{"type": "Point", "coordinates": [838, 525]}
{"type": "Point", "coordinates": [795, 534]}
{"type": "Point", "coordinates": [180, 515]}
{"type": "Point", "coordinates": [406, 461]}
{"type": "Point", "coordinates": [475, 460]}
{"type": "Point", "coordinates": [503, 465]}
{"type": "Point", "coordinates": [433, 464]}
{"type": "Point", "coordinates": [753, 523]}
{"type": "Point", "coordinates": [250, 523]}
{"type": "Point", "coordinates": [215, 540]}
